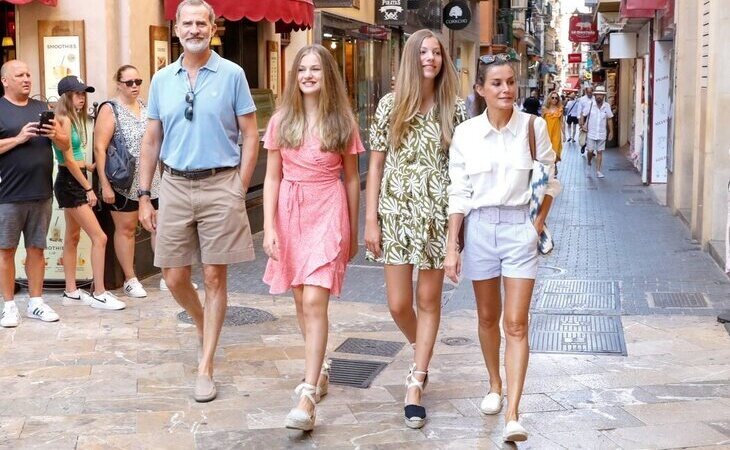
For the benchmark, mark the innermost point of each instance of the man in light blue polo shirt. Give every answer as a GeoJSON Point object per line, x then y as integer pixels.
{"type": "Point", "coordinates": [197, 107]}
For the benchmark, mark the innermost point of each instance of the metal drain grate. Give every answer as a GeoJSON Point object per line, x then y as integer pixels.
{"type": "Point", "coordinates": [370, 347]}
{"type": "Point", "coordinates": [677, 300]}
{"type": "Point", "coordinates": [354, 373]}
{"type": "Point", "coordinates": [577, 302]}
{"type": "Point", "coordinates": [580, 287]}
{"type": "Point", "coordinates": [560, 333]}
{"type": "Point", "coordinates": [237, 315]}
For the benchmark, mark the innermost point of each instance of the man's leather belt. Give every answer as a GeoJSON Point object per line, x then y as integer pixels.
{"type": "Point", "coordinates": [196, 174]}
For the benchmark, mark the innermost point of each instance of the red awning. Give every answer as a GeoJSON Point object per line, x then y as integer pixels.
{"type": "Point", "coordinates": [23, 2]}
{"type": "Point", "coordinates": [626, 13]}
{"type": "Point", "coordinates": [573, 83]}
{"type": "Point", "coordinates": [646, 4]}
{"type": "Point", "coordinates": [294, 14]}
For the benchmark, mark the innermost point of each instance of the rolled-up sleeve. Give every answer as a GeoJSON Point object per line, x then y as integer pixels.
{"type": "Point", "coordinates": [546, 155]}
{"type": "Point", "coordinates": [460, 189]}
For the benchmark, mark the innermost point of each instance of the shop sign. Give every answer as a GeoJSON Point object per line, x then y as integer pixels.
{"type": "Point", "coordinates": [582, 28]}
{"type": "Point", "coordinates": [337, 3]}
{"type": "Point", "coordinates": [457, 15]}
{"type": "Point", "coordinates": [575, 57]}
{"type": "Point", "coordinates": [390, 12]}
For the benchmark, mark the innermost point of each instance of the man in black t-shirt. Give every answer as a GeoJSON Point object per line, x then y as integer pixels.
{"type": "Point", "coordinates": [26, 170]}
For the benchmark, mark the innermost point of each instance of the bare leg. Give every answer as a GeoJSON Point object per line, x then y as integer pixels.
{"type": "Point", "coordinates": [489, 311]}
{"type": "Point", "coordinates": [125, 228]}
{"type": "Point", "coordinates": [7, 273]}
{"type": "Point", "coordinates": [599, 161]}
{"type": "Point", "coordinates": [518, 293]}
{"type": "Point", "coordinates": [216, 300]}
{"type": "Point", "coordinates": [315, 301]}
{"type": "Point", "coordinates": [428, 299]}
{"type": "Point", "coordinates": [399, 287]}
{"type": "Point", "coordinates": [71, 238]}
{"type": "Point", "coordinates": [84, 216]}
{"type": "Point", "coordinates": [178, 281]}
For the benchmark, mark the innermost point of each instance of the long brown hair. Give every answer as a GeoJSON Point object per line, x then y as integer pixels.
{"type": "Point", "coordinates": [336, 122]}
{"type": "Point", "coordinates": [407, 100]}
{"type": "Point", "coordinates": [65, 107]}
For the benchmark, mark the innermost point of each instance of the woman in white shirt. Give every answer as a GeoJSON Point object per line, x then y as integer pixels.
{"type": "Point", "coordinates": [490, 165]}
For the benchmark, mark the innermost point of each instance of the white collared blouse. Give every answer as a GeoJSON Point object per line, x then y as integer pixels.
{"type": "Point", "coordinates": [489, 167]}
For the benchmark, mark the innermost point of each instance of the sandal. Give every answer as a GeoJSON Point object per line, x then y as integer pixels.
{"type": "Point", "coordinates": [299, 419]}
{"type": "Point", "coordinates": [323, 388]}
{"type": "Point", "coordinates": [414, 415]}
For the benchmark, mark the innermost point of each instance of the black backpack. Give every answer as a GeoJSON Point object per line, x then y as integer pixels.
{"type": "Point", "coordinates": [120, 164]}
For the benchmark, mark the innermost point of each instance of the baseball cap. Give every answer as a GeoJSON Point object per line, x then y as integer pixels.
{"type": "Point", "coordinates": [72, 83]}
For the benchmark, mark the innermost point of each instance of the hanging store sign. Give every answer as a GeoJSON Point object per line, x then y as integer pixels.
{"type": "Point", "coordinates": [337, 3]}
{"type": "Point", "coordinates": [390, 12]}
{"type": "Point", "coordinates": [575, 57]}
{"type": "Point", "coordinates": [582, 28]}
{"type": "Point", "coordinates": [457, 15]}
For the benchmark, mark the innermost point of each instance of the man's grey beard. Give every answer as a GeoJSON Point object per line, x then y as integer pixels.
{"type": "Point", "coordinates": [194, 47]}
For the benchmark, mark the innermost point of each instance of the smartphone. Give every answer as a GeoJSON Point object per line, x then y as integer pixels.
{"type": "Point", "coordinates": [45, 119]}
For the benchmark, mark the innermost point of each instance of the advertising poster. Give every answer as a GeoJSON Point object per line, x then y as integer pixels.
{"type": "Point", "coordinates": [161, 52]}
{"type": "Point", "coordinates": [54, 247]}
{"type": "Point", "coordinates": [61, 57]}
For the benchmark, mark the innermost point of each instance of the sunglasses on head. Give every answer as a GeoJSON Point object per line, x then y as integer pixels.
{"type": "Point", "coordinates": [130, 83]}
{"type": "Point", "coordinates": [489, 59]}
{"type": "Point", "coordinates": [189, 99]}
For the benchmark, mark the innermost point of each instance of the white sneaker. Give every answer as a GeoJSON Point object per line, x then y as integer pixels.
{"type": "Point", "coordinates": [163, 285]}
{"type": "Point", "coordinates": [599, 174]}
{"type": "Point", "coordinates": [39, 310]}
{"type": "Point", "coordinates": [107, 300]}
{"type": "Point", "coordinates": [133, 288]}
{"type": "Point", "coordinates": [491, 404]}
{"type": "Point", "coordinates": [81, 299]}
{"type": "Point", "coordinates": [10, 316]}
{"type": "Point", "coordinates": [514, 432]}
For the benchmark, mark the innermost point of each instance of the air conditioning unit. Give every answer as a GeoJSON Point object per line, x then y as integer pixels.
{"type": "Point", "coordinates": [519, 4]}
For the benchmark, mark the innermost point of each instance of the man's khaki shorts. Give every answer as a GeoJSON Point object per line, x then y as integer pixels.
{"type": "Point", "coordinates": [202, 221]}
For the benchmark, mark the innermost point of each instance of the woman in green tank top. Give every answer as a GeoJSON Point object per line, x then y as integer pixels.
{"type": "Point", "coordinates": [76, 196]}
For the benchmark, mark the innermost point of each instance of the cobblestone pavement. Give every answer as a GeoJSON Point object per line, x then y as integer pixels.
{"type": "Point", "coordinates": [124, 379]}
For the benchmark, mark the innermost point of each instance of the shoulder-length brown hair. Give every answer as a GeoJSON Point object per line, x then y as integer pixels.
{"type": "Point", "coordinates": [407, 100]}
{"type": "Point", "coordinates": [336, 123]}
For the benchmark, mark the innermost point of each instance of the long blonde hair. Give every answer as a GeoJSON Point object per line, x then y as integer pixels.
{"type": "Point", "coordinates": [65, 107]}
{"type": "Point", "coordinates": [336, 122]}
{"type": "Point", "coordinates": [407, 100]}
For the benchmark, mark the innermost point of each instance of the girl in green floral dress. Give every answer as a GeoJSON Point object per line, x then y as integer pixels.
{"type": "Point", "coordinates": [406, 201]}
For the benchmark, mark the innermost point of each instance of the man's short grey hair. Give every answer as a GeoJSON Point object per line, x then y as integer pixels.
{"type": "Point", "coordinates": [183, 3]}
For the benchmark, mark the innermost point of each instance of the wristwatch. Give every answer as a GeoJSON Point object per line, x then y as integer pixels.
{"type": "Point", "coordinates": [141, 193]}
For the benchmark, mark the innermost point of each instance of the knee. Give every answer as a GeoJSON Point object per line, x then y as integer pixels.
{"type": "Point", "coordinates": [429, 305]}
{"type": "Point", "coordinates": [214, 280]}
{"type": "Point", "coordinates": [127, 231]}
{"type": "Point", "coordinates": [99, 239]}
{"type": "Point", "coordinates": [400, 308]}
{"type": "Point", "coordinates": [487, 321]}
{"type": "Point", "coordinates": [515, 329]}
{"type": "Point", "coordinates": [72, 238]}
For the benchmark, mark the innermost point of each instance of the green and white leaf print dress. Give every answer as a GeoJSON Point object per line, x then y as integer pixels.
{"type": "Point", "coordinates": [412, 208]}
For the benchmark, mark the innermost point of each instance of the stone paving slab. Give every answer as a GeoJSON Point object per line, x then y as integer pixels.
{"type": "Point", "coordinates": [137, 393]}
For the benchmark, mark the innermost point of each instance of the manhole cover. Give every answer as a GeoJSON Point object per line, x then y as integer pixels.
{"type": "Point", "coordinates": [370, 347]}
{"type": "Point", "coordinates": [237, 315]}
{"type": "Point", "coordinates": [562, 333]}
{"type": "Point", "coordinates": [677, 300]}
{"type": "Point", "coordinates": [456, 341]}
{"type": "Point", "coordinates": [350, 372]}
{"type": "Point", "coordinates": [580, 287]}
{"type": "Point", "coordinates": [577, 302]}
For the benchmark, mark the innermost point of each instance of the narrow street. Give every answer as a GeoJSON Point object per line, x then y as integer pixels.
{"type": "Point", "coordinates": [616, 362]}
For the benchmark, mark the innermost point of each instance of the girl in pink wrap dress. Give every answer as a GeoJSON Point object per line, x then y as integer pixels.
{"type": "Point", "coordinates": [310, 214]}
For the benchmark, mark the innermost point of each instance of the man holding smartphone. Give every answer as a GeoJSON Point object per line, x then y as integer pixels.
{"type": "Point", "coordinates": [26, 189]}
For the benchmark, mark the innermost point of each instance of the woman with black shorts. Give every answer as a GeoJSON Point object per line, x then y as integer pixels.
{"type": "Point", "coordinates": [76, 197]}
{"type": "Point", "coordinates": [124, 118]}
